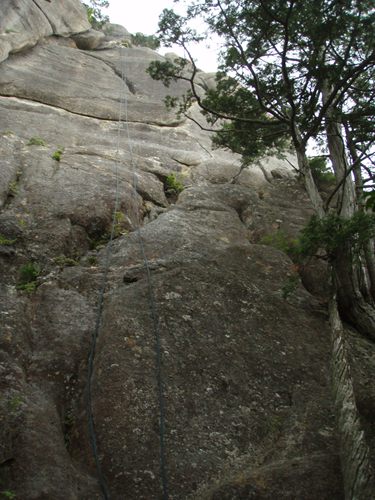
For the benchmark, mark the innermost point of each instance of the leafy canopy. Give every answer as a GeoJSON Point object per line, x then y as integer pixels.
{"type": "Point", "coordinates": [94, 12]}
{"type": "Point", "coordinates": [277, 57]}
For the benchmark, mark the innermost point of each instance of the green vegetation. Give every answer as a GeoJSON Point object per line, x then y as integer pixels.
{"type": "Point", "coordinates": [8, 133]}
{"type": "Point", "coordinates": [13, 188]}
{"type": "Point", "coordinates": [6, 241]}
{"type": "Point", "coordinates": [291, 73]}
{"type": "Point", "coordinates": [150, 41]}
{"type": "Point", "coordinates": [290, 285]}
{"type": "Point", "coordinates": [332, 233]}
{"type": "Point", "coordinates": [36, 141]}
{"type": "Point", "coordinates": [320, 170]}
{"type": "Point", "coordinates": [119, 224]}
{"type": "Point", "coordinates": [94, 13]}
{"type": "Point", "coordinates": [173, 184]}
{"type": "Point", "coordinates": [28, 277]}
{"type": "Point", "coordinates": [57, 154]}
{"type": "Point", "coordinates": [281, 241]}
{"type": "Point", "coordinates": [14, 403]}
{"type": "Point", "coordinates": [92, 260]}
{"type": "Point", "coordinates": [8, 494]}
{"type": "Point", "coordinates": [64, 261]}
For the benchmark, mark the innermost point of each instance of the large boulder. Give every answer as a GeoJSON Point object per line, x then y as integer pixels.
{"type": "Point", "coordinates": [24, 22]}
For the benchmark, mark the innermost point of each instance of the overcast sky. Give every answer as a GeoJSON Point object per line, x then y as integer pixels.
{"type": "Point", "coordinates": [143, 16]}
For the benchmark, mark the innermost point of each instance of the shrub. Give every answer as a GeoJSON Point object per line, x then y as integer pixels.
{"type": "Point", "coordinates": [320, 170]}
{"type": "Point", "coordinates": [150, 41]}
{"type": "Point", "coordinates": [36, 141]}
{"type": "Point", "coordinates": [57, 154]}
{"type": "Point", "coordinates": [172, 184]}
{"type": "Point", "coordinates": [64, 261]}
{"type": "Point", "coordinates": [13, 188]}
{"type": "Point", "coordinates": [6, 241]}
{"type": "Point", "coordinates": [28, 276]}
{"type": "Point", "coordinates": [332, 232]}
{"type": "Point", "coordinates": [281, 241]}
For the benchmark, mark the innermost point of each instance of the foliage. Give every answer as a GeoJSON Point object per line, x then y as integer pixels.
{"type": "Point", "coordinates": [6, 241]}
{"type": "Point", "coordinates": [36, 141]}
{"type": "Point", "coordinates": [173, 184]}
{"type": "Point", "coordinates": [94, 13]}
{"type": "Point", "coordinates": [28, 277]}
{"type": "Point", "coordinates": [8, 494]}
{"type": "Point", "coordinates": [281, 241]}
{"type": "Point", "coordinates": [320, 170]}
{"type": "Point", "coordinates": [13, 188]}
{"type": "Point", "coordinates": [290, 285]}
{"type": "Point", "coordinates": [333, 232]}
{"type": "Point", "coordinates": [280, 56]}
{"type": "Point", "coordinates": [64, 261]}
{"type": "Point", "coordinates": [150, 41]}
{"type": "Point", "coordinates": [119, 224]}
{"type": "Point", "coordinates": [57, 155]}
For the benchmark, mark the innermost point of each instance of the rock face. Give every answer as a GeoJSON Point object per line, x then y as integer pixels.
{"type": "Point", "coordinates": [85, 140]}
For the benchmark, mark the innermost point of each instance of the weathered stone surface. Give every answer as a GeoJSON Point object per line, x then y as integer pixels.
{"type": "Point", "coordinates": [24, 22]}
{"type": "Point", "coordinates": [88, 40]}
{"type": "Point", "coordinates": [249, 412]}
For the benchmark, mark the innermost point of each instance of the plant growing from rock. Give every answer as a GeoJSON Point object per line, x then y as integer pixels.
{"type": "Point", "coordinates": [28, 277]}
{"type": "Point", "coordinates": [64, 261]}
{"type": "Point", "coordinates": [6, 241]}
{"type": "Point", "coordinates": [173, 185]}
{"type": "Point", "coordinates": [57, 154]}
{"type": "Point", "coordinates": [36, 141]}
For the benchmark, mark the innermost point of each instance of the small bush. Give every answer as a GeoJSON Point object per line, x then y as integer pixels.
{"type": "Point", "coordinates": [28, 276]}
{"type": "Point", "coordinates": [172, 184]}
{"type": "Point", "coordinates": [290, 285]}
{"type": "Point", "coordinates": [6, 241]}
{"type": "Point", "coordinates": [57, 154]}
{"type": "Point", "coordinates": [36, 141]}
{"type": "Point", "coordinates": [150, 41]}
{"type": "Point", "coordinates": [13, 188]}
{"type": "Point", "coordinates": [64, 261]}
{"type": "Point", "coordinates": [8, 494]}
{"type": "Point", "coordinates": [280, 241]}
{"type": "Point", "coordinates": [333, 232]}
{"type": "Point", "coordinates": [320, 170]}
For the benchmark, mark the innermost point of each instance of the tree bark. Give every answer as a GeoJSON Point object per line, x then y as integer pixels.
{"type": "Point", "coordinates": [358, 474]}
{"type": "Point", "coordinates": [355, 303]}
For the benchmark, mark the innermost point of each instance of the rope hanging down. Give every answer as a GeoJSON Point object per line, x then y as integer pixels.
{"type": "Point", "coordinates": [99, 313]}
{"type": "Point", "coordinates": [154, 316]}
{"type": "Point", "coordinates": [152, 307]}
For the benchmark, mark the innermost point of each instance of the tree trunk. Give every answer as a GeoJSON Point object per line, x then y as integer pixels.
{"type": "Point", "coordinates": [355, 304]}
{"type": "Point", "coordinates": [310, 185]}
{"type": "Point", "coordinates": [358, 475]}
{"type": "Point", "coordinates": [351, 302]}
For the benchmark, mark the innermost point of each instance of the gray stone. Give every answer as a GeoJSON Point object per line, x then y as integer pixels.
{"type": "Point", "coordinates": [24, 22]}
{"type": "Point", "coordinates": [89, 40]}
{"type": "Point", "coordinates": [249, 411]}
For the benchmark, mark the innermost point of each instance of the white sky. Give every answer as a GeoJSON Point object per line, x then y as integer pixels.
{"type": "Point", "coordinates": [143, 16]}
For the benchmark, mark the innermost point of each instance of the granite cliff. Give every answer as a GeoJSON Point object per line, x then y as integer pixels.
{"type": "Point", "coordinates": [85, 141]}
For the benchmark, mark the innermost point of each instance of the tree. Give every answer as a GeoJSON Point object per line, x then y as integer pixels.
{"type": "Point", "coordinates": [291, 72]}
{"type": "Point", "coordinates": [142, 40]}
{"type": "Point", "coordinates": [94, 12]}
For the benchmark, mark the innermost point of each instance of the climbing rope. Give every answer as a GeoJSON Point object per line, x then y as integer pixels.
{"type": "Point", "coordinates": [152, 307]}
{"type": "Point", "coordinates": [153, 314]}
{"type": "Point", "coordinates": [99, 312]}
